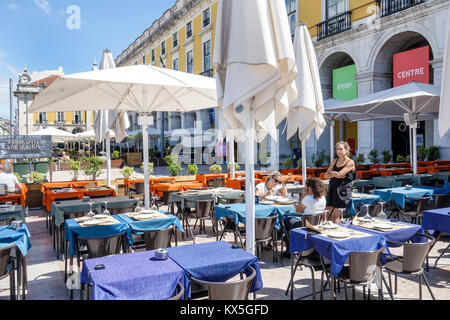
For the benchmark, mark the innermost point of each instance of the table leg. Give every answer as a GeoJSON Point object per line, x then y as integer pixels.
{"type": "Point", "coordinates": [332, 297]}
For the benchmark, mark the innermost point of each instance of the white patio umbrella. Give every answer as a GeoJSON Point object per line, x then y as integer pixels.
{"type": "Point", "coordinates": [306, 114]}
{"type": "Point", "coordinates": [57, 134]}
{"type": "Point", "coordinates": [140, 88]}
{"type": "Point", "coordinates": [444, 108]}
{"type": "Point", "coordinates": [255, 72]}
{"type": "Point", "coordinates": [90, 134]}
{"type": "Point", "coordinates": [414, 101]}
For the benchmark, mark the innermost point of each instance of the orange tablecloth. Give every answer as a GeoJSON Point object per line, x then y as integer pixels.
{"type": "Point", "coordinates": [158, 188]}
{"type": "Point", "coordinates": [50, 196]}
{"type": "Point", "coordinates": [204, 178]}
{"type": "Point", "coordinates": [68, 184]}
{"type": "Point", "coordinates": [236, 174]}
{"type": "Point", "coordinates": [21, 197]}
{"type": "Point", "coordinates": [152, 180]}
{"type": "Point", "coordinates": [390, 165]}
{"type": "Point", "coordinates": [239, 183]}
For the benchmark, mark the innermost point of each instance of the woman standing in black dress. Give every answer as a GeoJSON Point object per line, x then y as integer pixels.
{"type": "Point", "coordinates": [341, 174]}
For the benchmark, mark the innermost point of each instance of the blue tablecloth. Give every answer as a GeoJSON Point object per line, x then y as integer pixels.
{"type": "Point", "coordinates": [215, 261]}
{"type": "Point", "coordinates": [399, 235]}
{"type": "Point", "coordinates": [238, 211]}
{"type": "Point", "coordinates": [436, 190]}
{"type": "Point", "coordinates": [437, 220]}
{"type": "Point", "coordinates": [73, 230]}
{"type": "Point", "coordinates": [150, 225]}
{"type": "Point", "coordinates": [368, 199]}
{"type": "Point", "coordinates": [20, 237]}
{"type": "Point", "coordinates": [399, 194]}
{"type": "Point", "coordinates": [337, 251]}
{"type": "Point", "coordinates": [135, 276]}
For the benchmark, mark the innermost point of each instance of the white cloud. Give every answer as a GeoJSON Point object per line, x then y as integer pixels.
{"type": "Point", "coordinates": [44, 5]}
{"type": "Point", "coordinates": [13, 6]}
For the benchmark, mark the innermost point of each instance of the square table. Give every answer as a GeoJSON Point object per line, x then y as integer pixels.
{"type": "Point", "coordinates": [134, 276]}
{"type": "Point", "coordinates": [399, 194]}
{"type": "Point", "coordinates": [14, 211]}
{"type": "Point", "coordinates": [359, 199]}
{"type": "Point", "coordinates": [215, 261]}
{"type": "Point", "coordinates": [437, 222]}
{"type": "Point", "coordinates": [151, 224]}
{"type": "Point", "coordinates": [402, 231]}
{"type": "Point", "coordinates": [188, 198]}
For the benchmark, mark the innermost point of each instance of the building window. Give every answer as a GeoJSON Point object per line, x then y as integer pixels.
{"type": "Point", "coordinates": [207, 55]}
{"type": "Point", "coordinates": [175, 64]}
{"type": "Point", "coordinates": [42, 117]}
{"type": "Point", "coordinates": [189, 30]}
{"type": "Point", "coordinates": [60, 117]}
{"type": "Point", "coordinates": [291, 8]}
{"type": "Point", "coordinates": [189, 62]}
{"type": "Point", "coordinates": [153, 55]}
{"type": "Point", "coordinates": [335, 7]}
{"type": "Point", "coordinates": [206, 18]}
{"type": "Point", "coordinates": [163, 48]}
{"type": "Point", "coordinates": [175, 40]}
{"type": "Point", "coordinates": [143, 60]}
{"type": "Point", "coordinates": [135, 62]}
{"type": "Point", "coordinates": [77, 117]}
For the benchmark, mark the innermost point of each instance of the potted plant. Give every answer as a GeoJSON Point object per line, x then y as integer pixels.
{"type": "Point", "coordinates": [373, 156]}
{"type": "Point", "coordinates": [236, 166]}
{"type": "Point", "coordinates": [192, 169]}
{"type": "Point", "coordinates": [34, 184]}
{"type": "Point", "coordinates": [173, 164]}
{"type": "Point", "coordinates": [287, 164]}
{"type": "Point", "coordinates": [387, 156]}
{"type": "Point", "coordinates": [116, 162]}
{"type": "Point", "coordinates": [150, 167]}
{"type": "Point", "coordinates": [318, 159]}
{"type": "Point", "coordinates": [434, 153]}
{"type": "Point", "coordinates": [75, 166]}
{"type": "Point", "coordinates": [422, 152]}
{"type": "Point", "coordinates": [215, 168]}
{"type": "Point", "coordinates": [360, 159]}
{"type": "Point", "coordinates": [94, 168]}
{"type": "Point", "coordinates": [127, 172]}
{"type": "Point", "coordinates": [400, 158]}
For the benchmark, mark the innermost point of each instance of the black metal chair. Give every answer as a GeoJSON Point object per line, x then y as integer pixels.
{"type": "Point", "coordinates": [7, 269]}
{"type": "Point", "coordinates": [417, 215]}
{"type": "Point", "coordinates": [203, 211]}
{"type": "Point", "coordinates": [266, 233]}
{"type": "Point", "coordinates": [156, 239]}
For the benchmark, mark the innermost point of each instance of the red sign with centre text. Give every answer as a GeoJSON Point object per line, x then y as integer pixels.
{"type": "Point", "coordinates": [412, 65]}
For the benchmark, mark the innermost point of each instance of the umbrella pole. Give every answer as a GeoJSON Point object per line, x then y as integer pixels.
{"type": "Point", "coordinates": [108, 160]}
{"type": "Point", "coordinates": [250, 182]}
{"type": "Point", "coordinates": [145, 152]}
{"type": "Point", "coordinates": [304, 177]}
{"type": "Point", "coordinates": [331, 141]}
{"type": "Point", "coordinates": [231, 158]}
{"type": "Point", "coordinates": [414, 149]}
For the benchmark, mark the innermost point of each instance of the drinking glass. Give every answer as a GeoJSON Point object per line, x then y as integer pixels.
{"type": "Point", "coordinates": [342, 220]}
{"type": "Point", "coordinates": [106, 212]}
{"type": "Point", "coordinates": [138, 207]}
{"type": "Point", "coordinates": [382, 215]}
{"type": "Point", "coordinates": [367, 216]}
{"type": "Point", "coordinates": [90, 213]}
{"type": "Point", "coordinates": [324, 221]}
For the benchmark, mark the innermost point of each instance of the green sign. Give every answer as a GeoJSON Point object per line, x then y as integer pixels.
{"type": "Point", "coordinates": [344, 83]}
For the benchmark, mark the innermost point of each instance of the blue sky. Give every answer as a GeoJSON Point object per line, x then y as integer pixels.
{"type": "Point", "coordinates": [35, 33]}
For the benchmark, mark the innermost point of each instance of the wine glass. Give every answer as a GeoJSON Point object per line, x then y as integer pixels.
{"type": "Point", "coordinates": [342, 220]}
{"type": "Point", "coordinates": [324, 221]}
{"type": "Point", "coordinates": [367, 217]}
{"type": "Point", "coordinates": [138, 207]}
{"type": "Point", "coordinates": [106, 212]}
{"type": "Point", "coordinates": [90, 213]}
{"type": "Point", "coordinates": [382, 215]}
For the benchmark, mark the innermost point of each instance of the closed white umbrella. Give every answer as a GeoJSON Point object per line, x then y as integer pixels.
{"type": "Point", "coordinates": [306, 113]}
{"type": "Point", "coordinates": [444, 108]}
{"type": "Point", "coordinates": [139, 88]}
{"type": "Point", "coordinates": [414, 101]}
{"type": "Point", "coordinates": [255, 71]}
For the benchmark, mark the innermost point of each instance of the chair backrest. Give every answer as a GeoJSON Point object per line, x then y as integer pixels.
{"type": "Point", "coordinates": [203, 208]}
{"type": "Point", "coordinates": [139, 187]}
{"type": "Point", "coordinates": [381, 182]}
{"type": "Point", "coordinates": [67, 199]}
{"type": "Point", "coordinates": [157, 239]}
{"type": "Point", "coordinates": [233, 290]}
{"type": "Point", "coordinates": [422, 204]}
{"type": "Point", "coordinates": [230, 200]}
{"type": "Point", "coordinates": [313, 219]}
{"type": "Point", "coordinates": [179, 292]}
{"type": "Point", "coordinates": [105, 246]}
{"type": "Point", "coordinates": [216, 182]}
{"type": "Point", "coordinates": [5, 259]}
{"type": "Point", "coordinates": [122, 210]}
{"type": "Point", "coordinates": [414, 254]}
{"type": "Point", "coordinates": [441, 201]}
{"type": "Point", "coordinates": [363, 265]}
{"type": "Point", "coordinates": [264, 227]}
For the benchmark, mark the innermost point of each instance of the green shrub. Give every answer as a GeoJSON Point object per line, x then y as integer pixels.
{"type": "Point", "coordinates": [127, 171]}
{"type": "Point", "coordinates": [299, 163]}
{"type": "Point", "coordinates": [192, 168]}
{"type": "Point", "coordinates": [150, 167]}
{"type": "Point", "coordinates": [434, 153]}
{"type": "Point", "coordinates": [115, 155]}
{"type": "Point", "coordinates": [173, 164]}
{"type": "Point", "coordinates": [215, 168]}
{"type": "Point", "coordinates": [236, 166]}
{"type": "Point", "coordinates": [75, 166]}
{"type": "Point", "coordinates": [360, 158]}
{"type": "Point", "coordinates": [408, 158]}
{"type": "Point", "coordinates": [387, 156]}
{"type": "Point", "coordinates": [400, 158]}
{"type": "Point", "coordinates": [287, 164]}
{"type": "Point", "coordinates": [318, 159]}
{"type": "Point", "coordinates": [35, 177]}
{"type": "Point", "coordinates": [373, 156]}
{"type": "Point", "coordinates": [94, 167]}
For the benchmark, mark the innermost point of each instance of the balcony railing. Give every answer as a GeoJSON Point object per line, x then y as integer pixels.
{"type": "Point", "coordinates": [389, 7]}
{"type": "Point", "coordinates": [208, 73]}
{"type": "Point", "coordinates": [335, 25]}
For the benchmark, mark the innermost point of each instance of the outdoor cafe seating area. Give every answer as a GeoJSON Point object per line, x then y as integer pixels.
{"type": "Point", "coordinates": [92, 226]}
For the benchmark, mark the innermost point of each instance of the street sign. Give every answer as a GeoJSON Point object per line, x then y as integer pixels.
{"type": "Point", "coordinates": [24, 147]}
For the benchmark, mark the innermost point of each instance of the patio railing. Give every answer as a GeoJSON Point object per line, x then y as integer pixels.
{"type": "Point", "coordinates": [335, 25]}
{"type": "Point", "coordinates": [389, 7]}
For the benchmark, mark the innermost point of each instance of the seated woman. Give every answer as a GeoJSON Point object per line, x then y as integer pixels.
{"type": "Point", "coordinates": [271, 187]}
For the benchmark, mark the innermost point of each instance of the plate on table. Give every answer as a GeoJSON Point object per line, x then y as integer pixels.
{"type": "Point", "coordinates": [330, 226]}
{"type": "Point", "coordinates": [145, 216]}
{"type": "Point", "coordinates": [267, 202]}
{"type": "Point", "coordinates": [101, 216]}
{"type": "Point", "coordinates": [272, 198]}
{"type": "Point", "coordinates": [338, 234]}
{"type": "Point", "coordinates": [385, 226]}
{"type": "Point", "coordinates": [285, 201]}
{"type": "Point", "coordinates": [91, 223]}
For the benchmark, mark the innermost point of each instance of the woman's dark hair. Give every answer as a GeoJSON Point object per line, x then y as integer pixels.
{"type": "Point", "coordinates": [317, 187]}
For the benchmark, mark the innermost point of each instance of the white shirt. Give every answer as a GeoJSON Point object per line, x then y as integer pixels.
{"type": "Point", "coordinates": [263, 189]}
{"type": "Point", "coordinates": [312, 205]}
{"type": "Point", "coordinates": [10, 180]}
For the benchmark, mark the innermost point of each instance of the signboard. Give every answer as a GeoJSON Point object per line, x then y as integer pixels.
{"type": "Point", "coordinates": [24, 147]}
{"type": "Point", "coordinates": [412, 65]}
{"type": "Point", "coordinates": [344, 83]}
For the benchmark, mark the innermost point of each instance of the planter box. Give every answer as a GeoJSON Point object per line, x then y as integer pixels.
{"type": "Point", "coordinates": [34, 195]}
{"type": "Point", "coordinates": [134, 159]}
{"type": "Point", "coordinates": [185, 178]}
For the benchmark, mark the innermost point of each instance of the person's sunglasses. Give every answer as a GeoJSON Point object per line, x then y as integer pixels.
{"type": "Point", "coordinates": [276, 180]}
